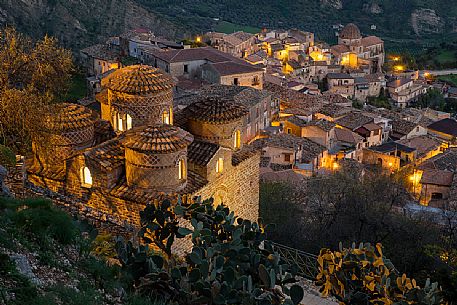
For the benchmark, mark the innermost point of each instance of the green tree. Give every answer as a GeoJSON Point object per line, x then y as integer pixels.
{"type": "Point", "coordinates": [32, 77]}
{"type": "Point", "coordinates": [432, 99]}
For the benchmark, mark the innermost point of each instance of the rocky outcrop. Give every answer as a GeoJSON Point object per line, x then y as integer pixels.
{"type": "Point", "coordinates": [426, 21]}
{"type": "Point", "coordinates": [336, 4]}
{"type": "Point", "coordinates": [372, 8]}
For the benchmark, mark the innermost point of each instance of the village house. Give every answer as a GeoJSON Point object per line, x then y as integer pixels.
{"type": "Point", "coordinates": [403, 91]}
{"type": "Point", "coordinates": [389, 156]}
{"type": "Point", "coordinates": [435, 177]}
{"type": "Point", "coordinates": [319, 131]}
{"type": "Point", "coordinates": [286, 151]}
{"type": "Point", "coordinates": [426, 147]}
{"type": "Point", "coordinates": [208, 64]}
{"type": "Point", "coordinates": [238, 44]}
{"type": "Point", "coordinates": [402, 129]}
{"type": "Point", "coordinates": [112, 177]}
{"type": "Point", "coordinates": [372, 133]}
{"type": "Point", "coordinates": [445, 129]}
{"type": "Point", "coordinates": [100, 58]}
{"type": "Point", "coordinates": [346, 144]}
{"type": "Point", "coordinates": [134, 43]}
{"type": "Point", "coordinates": [341, 83]}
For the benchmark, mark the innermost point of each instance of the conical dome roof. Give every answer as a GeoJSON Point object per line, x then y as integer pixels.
{"type": "Point", "coordinates": [157, 138]}
{"type": "Point", "coordinates": [216, 110]}
{"type": "Point", "coordinates": [350, 31]}
{"type": "Point", "coordinates": [67, 117]}
{"type": "Point", "coordinates": [139, 79]}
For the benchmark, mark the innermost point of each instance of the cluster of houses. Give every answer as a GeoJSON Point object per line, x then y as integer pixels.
{"type": "Point", "coordinates": [298, 95]}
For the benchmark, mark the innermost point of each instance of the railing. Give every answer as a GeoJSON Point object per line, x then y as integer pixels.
{"type": "Point", "coordinates": [306, 262]}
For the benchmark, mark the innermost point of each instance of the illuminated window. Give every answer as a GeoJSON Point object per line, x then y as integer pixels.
{"type": "Point", "coordinates": [237, 139]}
{"type": "Point", "coordinates": [182, 174]}
{"type": "Point", "coordinates": [129, 122]}
{"type": "Point", "coordinates": [120, 123]}
{"type": "Point", "coordinates": [86, 177]}
{"type": "Point", "coordinates": [166, 117]}
{"type": "Point", "coordinates": [220, 165]}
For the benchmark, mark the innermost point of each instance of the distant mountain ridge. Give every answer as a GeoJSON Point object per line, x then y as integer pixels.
{"type": "Point", "coordinates": [79, 23]}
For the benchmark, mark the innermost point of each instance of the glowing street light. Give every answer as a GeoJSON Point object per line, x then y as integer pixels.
{"type": "Point", "coordinates": [198, 39]}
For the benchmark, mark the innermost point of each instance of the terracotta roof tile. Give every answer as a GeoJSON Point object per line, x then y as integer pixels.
{"type": "Point", "coordinates": [68, 117]}
{"type": "Point", "coordinates": [138, 79]}
{"type": "Point", "coordinates": [159, 138]}
{"type": "Point", "coordinates": [215, 110]}
{"type": "Point", "coordinates": [200, 152]}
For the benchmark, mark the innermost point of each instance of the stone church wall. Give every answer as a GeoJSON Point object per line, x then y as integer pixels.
{"type": "Point", "coordinates": [238, 188]}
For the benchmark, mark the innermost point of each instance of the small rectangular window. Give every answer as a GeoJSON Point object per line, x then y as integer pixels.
{"type": "Point", "coordinates": [220, 165]}
{"type": "Point", "coordinates": [186, 69]}
{"type": "Point", "coordinates": [235, 81]}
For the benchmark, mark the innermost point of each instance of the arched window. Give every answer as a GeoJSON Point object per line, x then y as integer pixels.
{"type": "Point", "coordinates": [220, 165]}
{"type": "Point", "coordinates": [86, 177]}
{"type": "Point", "coordinates": [122, 122]}
{"type": "Point", "coordinates": [182, 172]}
{"type": "Point", "coordinates": [237, 139]}
{"type": "Point", "coordinates": [165, 117]}
{"type": "Point", "coordinates": [129, 122]}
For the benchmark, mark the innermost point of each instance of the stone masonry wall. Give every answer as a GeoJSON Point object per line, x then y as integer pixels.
{"type": "Point", "coordinates": [238, 188]}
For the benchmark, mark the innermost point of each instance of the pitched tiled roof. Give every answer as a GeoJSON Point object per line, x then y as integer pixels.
{"type": "Point", "coordinates": [371, 126]}
{"type": "Point", "coordinates": [310, 149]}
{"type": "Point", "coordinates": [333, 110]}
{"type": "Point", "coordinates": [139, 79]}
{"type": "Point", "coordinates": [398, 82]}
{"type": "Point", "coordinates": [207, 53]}
{"type": "Point", "coordinates": [447, 126]}
{"type": "Point", "coordinates": [445, 161]}
{"type": "Point", "coordinates": [200, 152]}
{"type": "Point", "coordinates": [391, 147]}
{"type": "Point", "coordinates": [109, 154]}
{"type": "Point", "coordinates": [403, 127]}
{"type": "Point", "coordinates": [354, 120]}
{"type": "Point", "coordinates": [296, 121]}
{"type": "Point", "coordinates": [229, 68]}
{"type": "Point", "coordinates": [323, 124]}
{"type": "Point", "coordinates": [215, 110]}
{"type": "Point", "coordinates": [423, 144]}
{"type": "Point", "coordinates": [437, 177]}
{"type": "Point", "coordinates": [68, 117]}
{"type": "Point", "coordinates": [243, 154]}
{"type": "Point", "coordinates": [347, 136]}
{"type": "Point", "coordinates": [158, 138]}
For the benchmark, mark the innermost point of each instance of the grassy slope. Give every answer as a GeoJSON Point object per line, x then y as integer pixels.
{"type": "Point", "coordinates": [59, 255]}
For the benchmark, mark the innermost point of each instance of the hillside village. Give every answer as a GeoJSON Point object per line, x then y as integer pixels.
{"type": "Point", "coordinates": [307, 103]}
{"type": "Point", "coordinates": [218, 116]}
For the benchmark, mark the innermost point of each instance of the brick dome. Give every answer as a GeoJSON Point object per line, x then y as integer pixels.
{"type": "Point", "coordinates": [69, 117]}
{"type": "Point", "coordinates": [139, 79]}
{"type": "Point", "coordinates": [216, 110]}
{"type": "Point", "coordinates": [157, 139]}
{"type": "Point", "coordinates": [350, 31]}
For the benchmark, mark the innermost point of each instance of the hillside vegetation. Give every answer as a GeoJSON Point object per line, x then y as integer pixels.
{"type": "Point", "coordinates": [78, 23]}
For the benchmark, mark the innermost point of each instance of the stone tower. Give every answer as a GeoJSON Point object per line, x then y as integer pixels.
{"type": "Point", "coordinates": [137, 96]}
{"type": "Point", "coordinates": [67, 129]}
{"type": "Point", "coordinates": [217, 120]}
{"type": "Point", "coordinates": [156, 158]}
